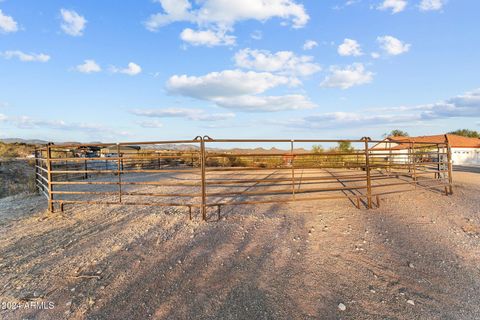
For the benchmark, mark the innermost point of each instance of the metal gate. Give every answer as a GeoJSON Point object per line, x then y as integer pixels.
{"type": "Point", "coordinates": [204, 172]}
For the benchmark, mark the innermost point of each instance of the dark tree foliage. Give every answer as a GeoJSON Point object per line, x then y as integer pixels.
{"type": "Point", "coordinates": [466, 133]}
{"type": "Point", "coordinates": [397, 133]}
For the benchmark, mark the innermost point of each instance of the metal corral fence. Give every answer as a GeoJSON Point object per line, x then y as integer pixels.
{"type": "Point", "coordinates": [205, 172]}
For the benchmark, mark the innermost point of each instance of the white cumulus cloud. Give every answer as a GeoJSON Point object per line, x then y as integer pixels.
{"type": "Point", "coordinates": [344, 78]}
{"type": "Point", "coordinates": [466, 105]}
{"type": "Point", "coordinates": [191, 114]}
{"type": "Point", "coordinates": [220, 16]}
{"type": "Point", "coordinates": [228, 83]}
{"type": "Point", "coordinates": [88, 66]}
{"type": "Point", "coordinates": [207, 38]}
{"type": "Point", "coordinates": [310, 44]}
{"type": "Point", "coordinates": [132, 69]}
{"type": "Point", "coordinates": [349, 47]}
{"type": "Point", "coordinates": [73, 24]}
{"type": "Point", "coordinates": [239, 90]}
{"type": "Point", "coordinates": [266, 103]}
{"type": "Point", "coordinates": [395, 6]}
{"type": "Point", "coordinates": [282, 62]}
{"type": "Point", "coordinates": [7, 23]}
{"type": "Point", "coordinates": [392, 45]}
{"type": "Point", "coordinates": [26, 57]}
{"type": "Point", "coordinates": [431, 5]}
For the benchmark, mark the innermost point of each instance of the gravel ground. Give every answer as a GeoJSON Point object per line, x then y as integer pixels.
{"type": "Point", "coordinates": [415, 257]}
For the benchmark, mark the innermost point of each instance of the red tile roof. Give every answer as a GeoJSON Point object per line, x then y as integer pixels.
{"type": "Point", "coordinates": [454, 140]}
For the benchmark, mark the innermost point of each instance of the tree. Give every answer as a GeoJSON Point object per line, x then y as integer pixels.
{"type": "Point", "coordinates": [317, 148]}
{"type": "Point", "coordinates": [396, 133]}
{"type": "Point", "coordinates": [345, 146]}
{"type": "Point", "coordinates": [466, 133]}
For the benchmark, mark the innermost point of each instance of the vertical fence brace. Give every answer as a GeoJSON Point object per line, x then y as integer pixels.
{"type": "Point", "coordinates": [119, 175]}
{"type": "Point", "coordinates": [450, 165]}
{"type": "Point", "coordinates": [37, 186]}
{"type": "Point", "coordinates": [414, 163]}
{"type": "Point", "coordinates": [293, 169]}
{"type": "Point", "coordinates": [49, 175]}
{"type": "Point", "coordinates": [367, 170]}
{"type": "Point", "coordinates": [202, 166]}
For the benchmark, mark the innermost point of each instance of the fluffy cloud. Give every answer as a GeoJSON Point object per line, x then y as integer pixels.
{"type": "Point", "coordinates": [431, 5]}
{"type": "Point", "coordinates": [32, 57]}
{"type": "Point", "coordinates": [191, 114]}
{"type": "Point", "coordinates": [221, 16]}
{"type": "Point", "coordinates": [228, 83]}
{"type": "Point", "coordinates": [266, 103]}
{"type": "Point", "coordinates": [395, 5]}
{"type": "Point", "coordinates": [7, 23]}
{"type": "Point", "coordinates": [282, 62]}
{"type": "Point", "coordinates": [73, 24]}
{"type": "Point", "coordinates": [392, 45]}
{"type": "Point", "coordinates": [466, 105]}
{"type": "Point", "coordinates": [89, 66]}
{"type": "Point", "coordinates": [349, 47]}
{"type": "Point", "coordinates": [310, 44]}
{"type": "Point", "coordinates": [207, 38]}
{"type": "Point", "coordinates": [25, 122]}
{"type": "Point", "coordinates": [151, 124]}
{"type": "Point", "coordinates": [132, 69]}
{"type": "Point", "coordinates": [344, 78]}
{"type": "Point", "coordinates": [3, 117]}
{"type": "Point", "coordinates": [236, 89]}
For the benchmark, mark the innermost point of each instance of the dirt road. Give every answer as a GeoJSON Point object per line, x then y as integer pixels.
{"type": "Point", "coordinates": [416, 257]}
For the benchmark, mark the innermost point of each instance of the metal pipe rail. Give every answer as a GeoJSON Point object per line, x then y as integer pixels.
{"type": "Point", "coordinates": [196, 175]}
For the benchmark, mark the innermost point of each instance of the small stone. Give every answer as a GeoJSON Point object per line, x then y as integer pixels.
{"type": "Point", "coordinates": [411, 302]}
{"type": "Point", "coordinates": [410, 265]}
{"type": "Point", "coordinates": [342, 307]}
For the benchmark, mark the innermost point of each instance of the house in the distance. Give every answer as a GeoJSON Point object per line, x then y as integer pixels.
{"type": "Point", "coordinates": [465, 151]}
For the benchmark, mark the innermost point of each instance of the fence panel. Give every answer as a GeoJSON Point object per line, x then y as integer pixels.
{"type": "Point", "coordinates": [204, 173]}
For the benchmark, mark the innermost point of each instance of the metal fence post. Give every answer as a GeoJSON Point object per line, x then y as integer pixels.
{"type": "Point", "coordinates": [367, 170]}
{"type": "Point", "coordinates": [204, 191]}
{"type": "Point", "coordinates": [414, 163]}
{"type": "Point", "coordinates": [119, 175]}
{"type": "Point", "coordinates": [49, 176]}
{"type": "Point", "coordinates": [36, 170]}
{"type": "Point", "coordinates": [293, 169]}
{"type": "Point", "coordinates": [450, 165]}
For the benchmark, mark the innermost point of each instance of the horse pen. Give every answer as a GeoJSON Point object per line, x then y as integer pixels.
{"type": "Point", "coordinates": [266, 229]}
{"type": "Point", "coordinates": [196, 174]}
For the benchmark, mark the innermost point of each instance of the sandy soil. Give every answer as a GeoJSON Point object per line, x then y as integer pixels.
{"type": "Point", "coordinates": [416, 257]}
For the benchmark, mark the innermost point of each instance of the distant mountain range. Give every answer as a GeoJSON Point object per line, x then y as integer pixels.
{"type": "Point", "coordinates": [27, 141]}
{"type": "Point", "coordinates": [180, 147]}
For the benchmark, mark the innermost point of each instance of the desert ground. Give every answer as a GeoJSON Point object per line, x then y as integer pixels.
{"type": "Point", "coordinates": [415, 257]}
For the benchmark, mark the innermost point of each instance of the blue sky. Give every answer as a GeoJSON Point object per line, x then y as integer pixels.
{"type": "Point", "coordinates": [156, 70]}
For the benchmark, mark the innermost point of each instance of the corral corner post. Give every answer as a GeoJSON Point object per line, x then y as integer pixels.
{"type": "Point", "coordinates": [37, 187]}
{"type": "Point", "coordinates": [450, 165]}
{"type": "Point", "coordinates": [49, 176]}
{"type": "Point", "coordinates": [202, 167]}
{"type": "Point", "coordinates": [367, 171]}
